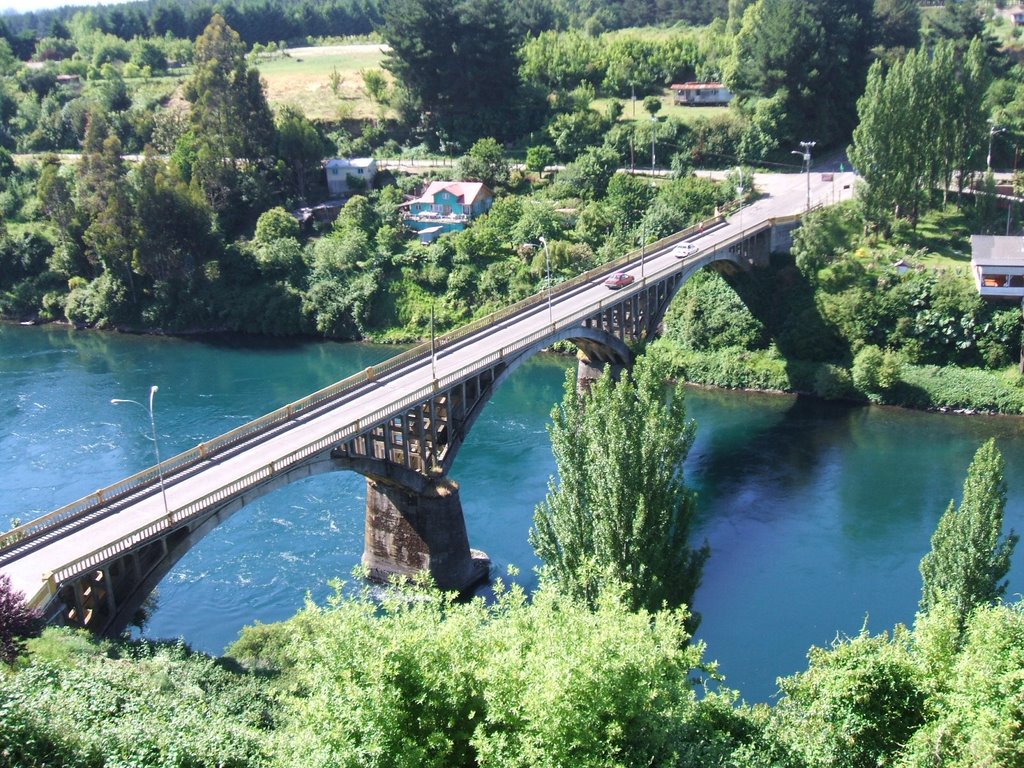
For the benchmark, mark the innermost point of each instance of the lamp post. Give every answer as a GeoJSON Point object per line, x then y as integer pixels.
{"type": "Point", "coordinates": [547, 262]}
{"type": "Point", "coordinates": [806, 155]}
{"type": "Point", "coordinates": [739, 196]}
{"type": "Point", "coordinates": [433, 349]}
{"type": "Point", "coordinates": [643, 244]}
{"type": "Point", "coordinates": [654, 125]}
{"type": "Point", "coordinates": [156, 445]}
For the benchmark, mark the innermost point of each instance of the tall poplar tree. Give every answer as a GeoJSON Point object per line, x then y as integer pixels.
{"type": "Point", "coordinates": [922, 127]}
{"type": "Point", "coordinates": [970, 556]}
{"type": "Point", "coordinates": [619, 514]}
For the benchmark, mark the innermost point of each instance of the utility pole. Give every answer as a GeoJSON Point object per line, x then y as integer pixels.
{"type": "Point", "coordinates": [806, 155]}
{"type": "Point", "coordinates": [654, 126]}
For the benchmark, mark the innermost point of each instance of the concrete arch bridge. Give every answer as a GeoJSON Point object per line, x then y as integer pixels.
{"type": "Point", "coordinates": [400, 424]}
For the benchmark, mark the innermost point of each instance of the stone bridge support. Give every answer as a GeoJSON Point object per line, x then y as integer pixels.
{"type": "Point", "coordinates": [409, 533]}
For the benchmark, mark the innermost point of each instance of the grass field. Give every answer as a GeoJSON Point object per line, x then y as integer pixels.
{"type": "Point", "coordinates": [302, 79]}
{"type": "Point", "coordinates": [685, 115]}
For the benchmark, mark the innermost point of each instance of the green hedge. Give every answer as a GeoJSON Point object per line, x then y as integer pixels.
{"type": "Point", "coordinates": [931, 386]}
{"type": "Point", "coordinates": [920, 386]}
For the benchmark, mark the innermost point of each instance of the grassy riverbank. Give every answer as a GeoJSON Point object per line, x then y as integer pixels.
{"type": "Point", "coordinates": [924, 387]}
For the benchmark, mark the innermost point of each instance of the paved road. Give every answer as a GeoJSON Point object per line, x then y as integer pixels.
{"type": "Point", "coordinates": [788, 196]}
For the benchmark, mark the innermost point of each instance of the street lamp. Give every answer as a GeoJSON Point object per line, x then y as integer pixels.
{"type": "Point", "coordinates": [992, 131]}
{"type": "Point", "coordinates": [547, 262]}
{"type": "Point", "coordinates": [739, 196]}
{"type": "Point", "coordinates": [156, 446]}
{"type": "Point", "coordinates": [806, 155]}
{"type": "Point", "coordinates": [654, 125]}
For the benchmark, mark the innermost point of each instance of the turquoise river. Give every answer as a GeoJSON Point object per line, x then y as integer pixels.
{"type": "Point", "coordinates": [817, 513]}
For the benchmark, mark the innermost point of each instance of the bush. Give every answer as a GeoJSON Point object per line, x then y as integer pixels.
{"type": "Point", "coordinates": [730, 368]}
{"type": "Point", "coordinates": [17, 621]}
{"type": "Point", "coordinates": [929, 386]}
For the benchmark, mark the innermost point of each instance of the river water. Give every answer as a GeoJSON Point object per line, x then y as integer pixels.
{"type": "Point", "coordinates": [817, 513]}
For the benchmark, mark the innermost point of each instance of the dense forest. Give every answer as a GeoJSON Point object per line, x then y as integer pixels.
{"type": "Point", "coordinates": [264, 21]}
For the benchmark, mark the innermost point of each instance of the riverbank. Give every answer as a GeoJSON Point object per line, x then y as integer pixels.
{"type": "Point", "coordinates": [941, 389]}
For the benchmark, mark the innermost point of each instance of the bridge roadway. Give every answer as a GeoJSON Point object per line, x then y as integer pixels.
{"type": "Point", "coordinates": [30, 565]}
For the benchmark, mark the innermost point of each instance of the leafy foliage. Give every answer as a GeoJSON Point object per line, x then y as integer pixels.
{"type": "Point", "coordinates": [619, 514]}
{"type": "Point", "coordinates": [17, 621]}
{"type": "Point", "coordinates": [856, 705]}
{"type": "Point", "coordinates": [970, 556]}
{"type": "Point", "coordinates": [159, 706]}
{"type": "Point", "coordinates": [429, 682]}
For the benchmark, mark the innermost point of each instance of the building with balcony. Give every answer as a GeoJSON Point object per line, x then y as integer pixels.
{"type": "Point", "coordinates": [997, 264]}
{"type": "Point", "coordinates": [449, 205]}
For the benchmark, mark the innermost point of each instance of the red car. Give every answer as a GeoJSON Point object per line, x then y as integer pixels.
{"type": "Point", "coordinates": [619, 280]}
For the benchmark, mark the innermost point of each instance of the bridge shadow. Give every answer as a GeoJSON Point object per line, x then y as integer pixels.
{"type": "Point", "coordinates": [781, 442]}
{"type": "Point", "coordinates": [783, 300]}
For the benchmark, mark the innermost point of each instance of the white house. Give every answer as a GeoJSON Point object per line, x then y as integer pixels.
{"type": "Point", "coordinates": [701, 94]}
{"type": "Point", "coordinates": [998, 266]}
{"type": "Point", "coordinates": [1015, 15]}
{"type": "Point", "coordinates": [339, 169]}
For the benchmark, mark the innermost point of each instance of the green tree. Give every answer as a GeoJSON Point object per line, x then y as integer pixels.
{"type": "Point", "coordinates": [815, 52]}
{"type": "Point", "coordinates": [970, 557]}
{"type": "Point", "coordinates": [620, 513]}
{"type": "Point", "coordinates": [921, 126]}
{"type": "Point", "coordinates": [173, 234]}
{"type": "Point", "coordinates": [457, 65]}
{"type": "Point", "coordinates": [275, 224]}
{"type": "Point", "coordinates": [857, 704]}
{"type": "Point", "coordinates": [485, 162]}
{"type": "Point", "coordinates": [375, 83]}
{"type": "Point", "coordinates": [542, 682]}
{"type": "Point", "coordinates": [538, 158]}
{"type": "Point", "coordinates": [301, 148]}
{"type": "Point", "coordinates": [233, 128]}
{"type": "Point", "coordinates": [589, 174]}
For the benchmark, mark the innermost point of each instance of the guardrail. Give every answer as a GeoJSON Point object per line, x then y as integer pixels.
{"type": "Point", "coordinates": [147, 477]}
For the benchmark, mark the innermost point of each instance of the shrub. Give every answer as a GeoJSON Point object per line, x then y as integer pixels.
{"type": "Point", "coordinates": [17, 621]}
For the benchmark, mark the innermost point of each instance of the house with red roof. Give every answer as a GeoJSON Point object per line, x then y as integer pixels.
{"type": "Point", "coordinates": [449, 205]}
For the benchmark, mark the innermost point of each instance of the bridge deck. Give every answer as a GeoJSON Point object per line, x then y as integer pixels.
{"type": "Point", "coordinates": [29, 570]}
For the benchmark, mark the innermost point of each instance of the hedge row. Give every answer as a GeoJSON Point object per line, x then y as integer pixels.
{"type": "Point", "coordinates": [920, 386]}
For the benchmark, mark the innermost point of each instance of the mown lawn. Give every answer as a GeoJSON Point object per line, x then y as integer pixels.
{"type": "Point", "coordinates": [943, 239]}
{"type": "Point", "coordinates": [685, 114]}
{"type": "Point", "coordinates": [302, 79]}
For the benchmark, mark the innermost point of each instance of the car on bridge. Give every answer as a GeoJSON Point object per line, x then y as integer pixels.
{"type": "Point", "coordinates": [683, 250]}
{"type": "Point", "coordinates": [618, 280]}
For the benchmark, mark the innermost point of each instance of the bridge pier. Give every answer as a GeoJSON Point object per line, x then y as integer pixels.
{"type": "Point", "coordinates": [589, 370]}
{"type": "Point", "coordinates": [409, 532]}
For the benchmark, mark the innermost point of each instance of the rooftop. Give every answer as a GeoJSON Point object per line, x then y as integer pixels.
{"type": "Point", "coordinates": [997, 251]}
{"type": "Point", "coordinates": [695, 86]}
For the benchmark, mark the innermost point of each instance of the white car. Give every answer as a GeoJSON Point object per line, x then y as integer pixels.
{"type": "Point", "coordinates": [684, 250]}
